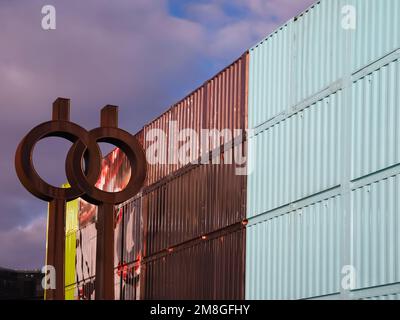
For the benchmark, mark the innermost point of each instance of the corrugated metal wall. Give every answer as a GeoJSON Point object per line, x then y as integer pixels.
{"type": "Point", "coordinates": [133, 230]}
{"type": "Point", "coordinates": [188, 113]}
{"type": "Point", "coordinates": [184, 214]}
{"type": "Point", "coordinates": [295, 254]}
{"type": "Point", "coordinates": [269, 74]}
{"type": "Point", "coordinates": [377, 33]}
{"type": "Point", "coordinates": [200, 201]}
{"type": "Point", "coordinates": [326, 159]}
{"type": "Point", "coordinates": [296, 61]}
{"type": "Point", "coordinates": [132, 285]}
{"type": "Point", "coordinates": [209, 268]}
{"type": "Point", "coordinates": [85, 289]}
{"type": "Point", "coordinates": [86, 253]}
{"type": "Point", "coordinates": [296, 157]}
{"type": "Point", "coordinates": [221, 103]}
{"type": "Point", "coordinates": [376, 118]}
{"type": "Point", "coordinates": [226, 98]}
{"type": "Point", "coordinates": [309, 53]}
{"type": "Point", "coordinates": [376, 236]}
{"type": "Point", "coordinates": [319, 42]}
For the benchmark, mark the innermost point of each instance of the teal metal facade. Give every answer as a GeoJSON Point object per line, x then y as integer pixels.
{"type": "Point", "coordinates": [324, 106]}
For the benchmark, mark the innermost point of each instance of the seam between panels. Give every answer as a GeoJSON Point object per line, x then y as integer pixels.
{"type": "Point", "coordinates": [346, 156]}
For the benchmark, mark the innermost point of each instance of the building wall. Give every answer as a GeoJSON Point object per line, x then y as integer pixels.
{"type": "Point", "coordinates": [21, 285]}
{"type": "Point", "coordinates": [326, 156]}
{"type": "Point", "coordinates": [204, 269]}
{"type": "Point", "coordinates": [220, 103]}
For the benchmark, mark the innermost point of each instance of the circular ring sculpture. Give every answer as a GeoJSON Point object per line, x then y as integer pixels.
{"type": "Point", "coordinates": [26, 170]}
{"type": "Point", "coordinates": [85, 147]}
{"type": "Point", "coordinates": [133, 151]}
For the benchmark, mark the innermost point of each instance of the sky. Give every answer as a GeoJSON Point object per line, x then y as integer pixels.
{"type": "Point", "coordinates": [142, 55]}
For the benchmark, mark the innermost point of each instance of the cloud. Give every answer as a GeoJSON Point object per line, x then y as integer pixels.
{"type": "Point", "coordinates": [100, 53]}
{"type": "Point", "coordinates": [24, 247]}
{"type": "Point", "coordinates": [281, 9]}
{"type": "Point", "coordinates": [210, 15]}
{"type": "Point", "coordinates": [235, 25]}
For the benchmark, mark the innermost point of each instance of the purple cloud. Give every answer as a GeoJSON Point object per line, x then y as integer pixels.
{"type": "Point", "coordinates": [23, 247]}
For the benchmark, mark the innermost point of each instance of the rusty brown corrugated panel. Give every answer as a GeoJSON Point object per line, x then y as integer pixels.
{"type": "Point", "coordinates": [133, 230]}
{"type": "Point", "coordinates": [86, 252]}
{"type": "Point", "coordinates": [118, 237]}
{"type": "Point", "coordinates": [140, 137]}
{"type": "Point", "coordinates": [198, 201]}
{"type": "Point", "coordinates": [226, 102]}
{"type": "Point", "coordinates": [86, 247]}
{"type": "Point", "coordinates": [221, 103]}
{"type": "Point", "coordinates": [118, 275]}
{"type": "Point", "coordinates": [130, 289]}
{"type": "Point", "coordinates": [188, 113]}
{"type": "Point", "coordinates": [204, 269]}
{"type": "Point", "coordinates": [85, 289]}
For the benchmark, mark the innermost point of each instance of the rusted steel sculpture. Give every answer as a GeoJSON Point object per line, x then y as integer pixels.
{"type": "Point", "coordinates": [85, 148]}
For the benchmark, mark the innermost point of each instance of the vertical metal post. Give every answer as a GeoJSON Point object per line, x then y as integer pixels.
{"type": "Point", "coordinates": [105, 229]}
{"type": "Point", "coordinates": [105, 253]}
{"type": "Point", "coordinates": [55, 254]}
{"type": "Point", "coordinates": [56, 247]}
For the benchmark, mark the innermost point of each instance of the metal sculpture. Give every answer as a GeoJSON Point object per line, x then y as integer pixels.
{"type": "Point", "coordinates": [85, 148]}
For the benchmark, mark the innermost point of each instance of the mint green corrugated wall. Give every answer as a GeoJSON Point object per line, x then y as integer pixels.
{"type": "Point", "coordinates": [324, 106]}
